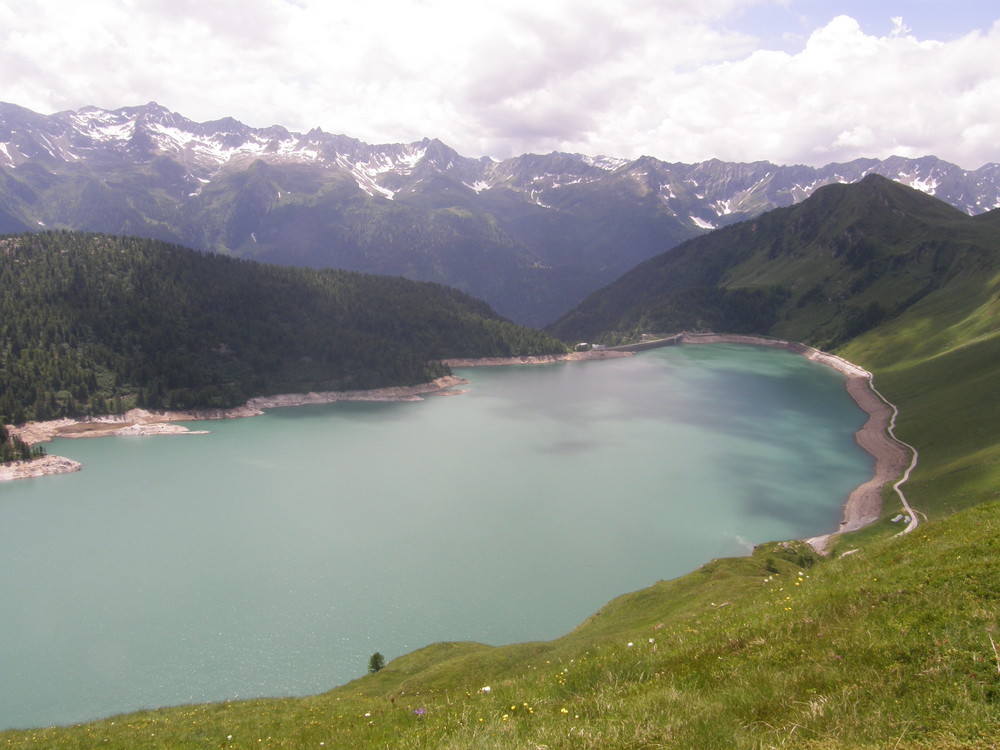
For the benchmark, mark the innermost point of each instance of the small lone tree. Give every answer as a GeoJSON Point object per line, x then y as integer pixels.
{"type": "Point", "coordinates": [376, 663]}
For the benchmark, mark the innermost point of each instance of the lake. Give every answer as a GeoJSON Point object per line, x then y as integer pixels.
{"type": "Point", "coordinates": [276, 554]}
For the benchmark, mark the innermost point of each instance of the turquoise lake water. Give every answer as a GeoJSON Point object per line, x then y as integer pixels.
{"type": "Point", "coordinates": [276, 554]}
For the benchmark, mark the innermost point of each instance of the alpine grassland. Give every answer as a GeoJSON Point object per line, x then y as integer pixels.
{"type": "Point", "coordinates": [891, 641]}
{"type": "Point", "coordinates": [891, 647]}
{"type": "Point", "coordinates": [939, 364]}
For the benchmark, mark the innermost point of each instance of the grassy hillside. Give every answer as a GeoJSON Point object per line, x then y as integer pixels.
{"type": "Point", "coordinates": [888, 648]}
{"type": "Point", "coordinates": [945, 385]}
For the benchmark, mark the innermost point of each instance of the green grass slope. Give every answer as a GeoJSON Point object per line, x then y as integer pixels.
{"type": "Point", "coordinates": [941, 370]}
{"type": "Point", "coordinates": [887, 648]}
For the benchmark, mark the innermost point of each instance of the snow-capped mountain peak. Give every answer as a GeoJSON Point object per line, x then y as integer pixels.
{"type": "Point", "coordinates": [107, 141]}
{"type": "Point", "coordinates": [557, 225]}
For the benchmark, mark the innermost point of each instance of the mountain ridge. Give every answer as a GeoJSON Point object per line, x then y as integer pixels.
{"type": "Point", "coordinates": [532, 234]}
{"type": "Point", "coordinates": [821, 271]}
{"type": "Point", "coordinates": [145, 131]}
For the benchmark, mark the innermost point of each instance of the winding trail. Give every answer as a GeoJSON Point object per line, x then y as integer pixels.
{"type": "Point", "coordinates": [891, 429]}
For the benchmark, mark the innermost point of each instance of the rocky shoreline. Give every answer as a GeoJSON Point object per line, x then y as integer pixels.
{"type": "Point", "coordinates": [38, 467]}
{"type": "Point", "coordinates": [144, 422]}
{"type": "Point", "coordinates": [542, 359]}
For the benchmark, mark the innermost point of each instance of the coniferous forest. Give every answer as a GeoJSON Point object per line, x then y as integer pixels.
{"type": "Point", "coordinates": [96, 324]}
{"type": "Point", "coordinates": [12, 448]}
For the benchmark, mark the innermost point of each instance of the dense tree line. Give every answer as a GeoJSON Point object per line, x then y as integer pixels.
{"type": "Point", "coordinates": [94, 323]}
{"type": "Point", "coordinates": [12, 448]}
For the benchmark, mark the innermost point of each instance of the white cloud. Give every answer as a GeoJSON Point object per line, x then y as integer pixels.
{"type": "Point", "coordinates": [899, 28]}
{"type": "Point", "coordinates": [843, 96]}
{"type": "Point", "coordinates": [677, 80]}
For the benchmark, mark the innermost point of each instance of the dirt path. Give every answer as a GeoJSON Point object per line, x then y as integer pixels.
{"type": "Point", "coordinates": [891, 429]}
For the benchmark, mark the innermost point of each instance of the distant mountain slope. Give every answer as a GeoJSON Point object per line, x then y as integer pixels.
{"type": "Point", "coordinates": [96, 323]}
{"type": "Point", "coordinates": [532, 235]}
{"type": "Point", "coordinates": [824, 271]}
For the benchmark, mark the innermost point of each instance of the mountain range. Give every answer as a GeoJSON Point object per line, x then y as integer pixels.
{"type": "Point", "coordinates": [532, 235]}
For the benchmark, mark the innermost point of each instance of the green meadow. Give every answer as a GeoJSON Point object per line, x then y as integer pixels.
{"type": "Point", "coordinates": [890, 647]}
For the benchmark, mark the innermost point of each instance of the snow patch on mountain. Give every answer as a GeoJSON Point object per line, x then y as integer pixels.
{"type": "Point", "coordinates": [365, 175]}
{"type": "Point", "coordinates": [607, 163]}
{"type": "Point", "coordinates": [533, 196]}
{"type": "Point", "coordinates": [366, 172]}
{"type": "Point", "coordinates": [561, 181]}
{"type": "Point", "coordinates": [102, 126]}
{"type": "Point", "coordinates": [212, 150]}
{"type": "Point", "coordinates": [175, 136]}
{"type": "Point", "coordinates": [406, 162]}
{"type": "Point", "coordinates": [928, 185]}
{"type": "Point", "coordinates": [723, 207]}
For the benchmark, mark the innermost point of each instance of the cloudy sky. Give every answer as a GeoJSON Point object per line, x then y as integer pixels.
{"type": "Point", "coordinates": [790, 81]}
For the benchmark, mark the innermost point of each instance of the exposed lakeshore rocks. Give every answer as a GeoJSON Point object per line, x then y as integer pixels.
{"type": "Point", "coordinates": [144, 422]}
{"type": "Point", "coordinates": [541, 359]}
{"type": "Point", "coordinates": [39, 467]}
{"type": "Point", "coordinates": [399, 393]}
